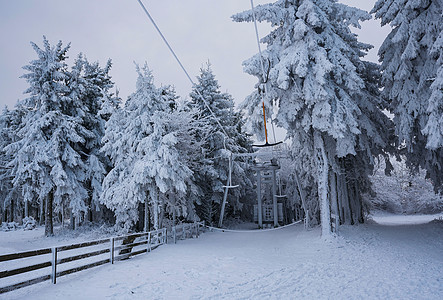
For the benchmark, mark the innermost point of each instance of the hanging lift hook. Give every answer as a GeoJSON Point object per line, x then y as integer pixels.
{"type": "Point", "coordinates": [265, 79]}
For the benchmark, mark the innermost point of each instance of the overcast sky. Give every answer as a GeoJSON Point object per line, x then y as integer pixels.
{"type": "Point", "coordinates": [198, 30]}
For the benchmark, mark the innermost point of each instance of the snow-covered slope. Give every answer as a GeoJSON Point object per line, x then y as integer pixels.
{"type": "Point", "coordinates": [371, 261]}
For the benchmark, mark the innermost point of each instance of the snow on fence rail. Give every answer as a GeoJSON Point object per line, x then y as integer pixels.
{"type": "Point", "coordinates": [63, 260]}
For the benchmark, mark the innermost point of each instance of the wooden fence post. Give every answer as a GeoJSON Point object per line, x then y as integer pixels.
{"type": "Point", "coordinates": [54, 265]}
{"type": "Point", "coordinates": [112, 250]}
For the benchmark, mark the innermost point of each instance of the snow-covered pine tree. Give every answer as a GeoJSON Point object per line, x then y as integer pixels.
{"type": "Point", "coordinates": [5, 180]}
{"type": "Point", "coordinates": [91, 84]}
{"type": "Point", "coordinates": [173, 153]}
{"type": "Point", "coordinates": [411, 58]}
{"type": "Point", "coordinates": [124, 130]}
{"type": "Point", "coordinates": [11, 196]}
{"type": "Point", "coordinates": [45, 160]}
{"type": "Point", "coordinates": [316, 78]}
{"type": "Point", "coordinates": [151, 145]}
{"type": "Point", "coordinates": [213, 172]}
{"type": "Point", "coordinates": [434, 127]}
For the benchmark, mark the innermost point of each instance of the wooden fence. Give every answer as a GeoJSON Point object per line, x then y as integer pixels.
{"type": "Point", "coordinates": [64, 260]}
{"type": "Point", "coordinates": [185, 230]}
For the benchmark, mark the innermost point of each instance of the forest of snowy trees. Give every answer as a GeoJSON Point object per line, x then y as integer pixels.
{"type": "Point", "coordinates": [73, 149]}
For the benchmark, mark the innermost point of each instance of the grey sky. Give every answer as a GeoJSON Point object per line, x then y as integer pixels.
{"type": "Point", "coordinates": [198, 30]}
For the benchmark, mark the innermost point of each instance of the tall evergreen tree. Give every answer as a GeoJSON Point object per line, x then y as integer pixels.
{"type": "Point", "coordinates": [90, 84]}
{"type": "Point", "coordinates": [411, 57]}
{"type": "Point", "coordinates": [325, 97]}
{"type": "Point", "coordinates": [45, 159]}
{"type": "Point", "coordinates": [434, 127]}
{"type": "Point", "coordinates": [10, 122]}
{"type": "Point", "coordinates": [214, 172]}
{"type": "Point", "coordinates": [151, 145]}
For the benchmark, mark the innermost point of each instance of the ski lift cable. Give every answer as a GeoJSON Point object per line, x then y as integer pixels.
{"type": "Point", "coordinates": [181, 65]}
{"type": "Point", "coordinates": [258, 42]}
{"type": "Point", "coordinates": [229, 183]}
{"type": "Point", "coordinates": [252, 231]}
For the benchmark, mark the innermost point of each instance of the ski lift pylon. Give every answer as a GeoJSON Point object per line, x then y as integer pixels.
{"type": "Point", "coordinates": [225, 194]}
{"type": "Point", "coordinates": [229, 183]}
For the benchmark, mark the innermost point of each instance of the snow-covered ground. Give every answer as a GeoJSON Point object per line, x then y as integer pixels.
{"type": "Point", "coordinates": [389, 260]}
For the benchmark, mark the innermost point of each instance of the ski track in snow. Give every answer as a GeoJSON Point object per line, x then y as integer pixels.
{"type": "Point", "coordinates": [370, 261]}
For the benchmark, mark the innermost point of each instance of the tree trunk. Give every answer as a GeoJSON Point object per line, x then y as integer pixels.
{"type": "Point", "coordinates": [156, 208]}
{"type": "Point", "coordinates": [146, 224]}
{"type": "Point", "coordinates": [360, 216]}
{"type": "Point", "coordinates": [4, 213]}
{"type": "Point", "coordinates": [11, 213]}
{"type": "Point", "coordinates": [174, 217]}
{"type": "Point", "coordinates": [49, 228]}
{"type": "Point", "coordinates": [340, 198]}
{"type": "Point", "coordinates": [322, 177]}
{"type": "Point", "coordinates": [42, 211]}
{"type": "Point", "coordinates": [349, 203]}
{"type": "Point", "coordinates": [345, 199]}
{"type": "Point", "coordinates": [334, 203]}
{"type": "Point", "coordinates": [162, 216]}
{"type": "Point", "coordinates": [72, 220]}
{"type": "Point", "coordinates": [26, 209]}
{"type": "Point", "coordinates": [354, 204]}
{"type": "Point", "coordinates": [63, 215]}
{"type": "Point", "coordinates": [302, 193]}
{"type": "Point", "coordinates": [149, 218]}
{"type": "Point", "coordinates": [89, 211]}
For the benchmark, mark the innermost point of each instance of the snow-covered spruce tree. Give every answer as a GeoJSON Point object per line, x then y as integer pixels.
{"type": "Point", "coordinates": [213, 173]}
{"type": "Point", "coordinates": [434, 127]}
{"type": "Point", "coordinates": [5, 180]}
{"type": "Point", "coordinates": [11, 196]}
{"type": "Point", "coordinates": [150, 144]}
{"type": "Point", "coordinates": [90, 84]}
{"type": "Point", "coordinates": [45, 159]}
{"type": "Point", "coordinates": [326, 100]}
{"type": "Point", "coordinates": [411, 57]}
{"type": "Point", "coordinates": [174, 152]}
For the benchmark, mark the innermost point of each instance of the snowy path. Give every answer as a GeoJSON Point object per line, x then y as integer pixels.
{"type": "Point", "coordinates": [366, 262]}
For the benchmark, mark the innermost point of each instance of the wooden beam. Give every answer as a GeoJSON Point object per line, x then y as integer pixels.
{"type": "Point", "coordinates": [13, 256]}
{"type": "Point", "coordinates": [24, 283]}
{"type": "Point", "coordinates": [8, 273]}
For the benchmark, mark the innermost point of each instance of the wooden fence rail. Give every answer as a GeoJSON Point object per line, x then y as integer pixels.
{"type": "Point", "coordinates": [116, 248]}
